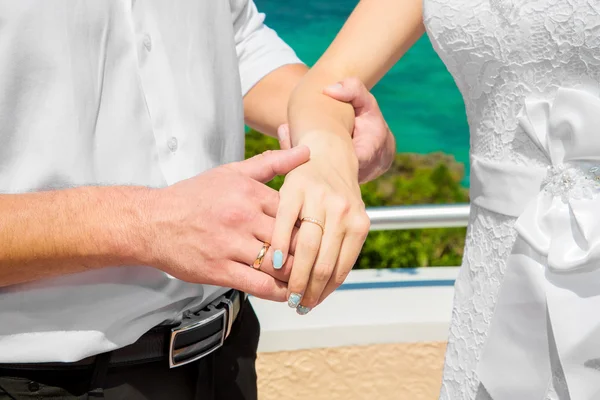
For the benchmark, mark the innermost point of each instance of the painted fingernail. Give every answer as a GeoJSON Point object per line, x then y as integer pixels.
{"type": "Point", "coordinates": [277, 259]}
{"type": "Point", "coordinates": [294, 300]}
{"type": "Point", "coordinates": [301, 310]}
{"type": "Point", "coordinates": [334, 87]}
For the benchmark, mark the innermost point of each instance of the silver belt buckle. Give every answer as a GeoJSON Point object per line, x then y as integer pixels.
{"type": "Point", "coordinates": [220, 314]}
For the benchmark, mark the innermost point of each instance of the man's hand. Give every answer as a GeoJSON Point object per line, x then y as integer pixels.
{"type": "Point", "coordinates": [373, 141]}
{"type": "Point", "coordinates": [210, 228]}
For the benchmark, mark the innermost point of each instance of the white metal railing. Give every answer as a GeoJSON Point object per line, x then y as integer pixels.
{"type": "Point", "coordinates": [421, 216]}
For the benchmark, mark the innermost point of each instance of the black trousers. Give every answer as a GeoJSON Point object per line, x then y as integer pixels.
{"type": "Point", "coordinates": [228, 374]}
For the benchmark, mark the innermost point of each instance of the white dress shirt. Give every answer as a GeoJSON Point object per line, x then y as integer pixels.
{"type": "Point", "coordinates": [117, 92]}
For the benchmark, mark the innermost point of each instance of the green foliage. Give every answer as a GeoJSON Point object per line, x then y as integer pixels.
{"type": "Point", "coordinates": [412, 179]}
{"type": "Point", "coordinates": [257, 143]}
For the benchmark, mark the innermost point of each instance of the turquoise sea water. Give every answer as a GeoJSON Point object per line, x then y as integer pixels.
{"type": "Point", "coordinates": [418, 96]}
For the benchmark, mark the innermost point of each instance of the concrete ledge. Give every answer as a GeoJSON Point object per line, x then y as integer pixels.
{"type": "Point", "coordinates": [410, 371]}
{"type": "Point", "coordinates": [372, 307]}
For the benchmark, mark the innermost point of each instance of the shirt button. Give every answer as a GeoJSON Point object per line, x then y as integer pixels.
{"type": "Point", "coordinates": [172, 143]}
{"type": "Point", "coordinates": [148, 42]}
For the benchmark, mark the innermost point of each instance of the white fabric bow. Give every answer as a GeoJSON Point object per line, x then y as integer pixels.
{"type": "Point", "coordinates": [551, 291]}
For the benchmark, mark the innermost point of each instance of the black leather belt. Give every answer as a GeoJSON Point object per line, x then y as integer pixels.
{"type": "Point", "coordinates": [199, 334]}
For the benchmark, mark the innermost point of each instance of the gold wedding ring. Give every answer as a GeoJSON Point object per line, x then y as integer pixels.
{"type": "Point", "coordinates": [261, 255]}
{"type": "Point", "coordinates": [314, 221]}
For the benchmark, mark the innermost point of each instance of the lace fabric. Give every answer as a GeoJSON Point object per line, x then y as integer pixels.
{"type": "Point", "coordinates": [490, 238]}
{"type": "Point", "coordinates": [499, 53]}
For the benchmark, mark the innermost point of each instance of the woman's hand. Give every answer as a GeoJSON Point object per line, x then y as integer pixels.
{"type": "Point", "coordinates": [326, 190]}
{"type": "Point", "coordinates": [325, 193]}
{"type": "Point", "coordinates": [374, 143]}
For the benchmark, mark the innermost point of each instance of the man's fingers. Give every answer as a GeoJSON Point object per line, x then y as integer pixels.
{"type": "Point", "coordinates": [268, 198]}
{"type": "Point", "coordinates": [249, 280]}
{"type": "Point", "coordinates": [264, 167]}
{"type": "Point", "coordinates": [283, 134]}
{"type": "Point", "coordinates": [249, 251]}
{"type": "Point", "coordinates": [353, 91]}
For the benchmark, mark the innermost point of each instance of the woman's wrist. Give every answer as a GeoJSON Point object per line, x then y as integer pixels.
{"type": "Point", "coordinates": [334, 149]}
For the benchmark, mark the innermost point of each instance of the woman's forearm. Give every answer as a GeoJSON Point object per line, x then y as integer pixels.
{"type": "Point", "coordinates": [373, 39]}
{"type": "Point", "coordinates": [375, 36]}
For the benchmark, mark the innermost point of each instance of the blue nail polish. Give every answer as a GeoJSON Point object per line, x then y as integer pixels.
{"type": "Point", "coordinates": [277, 259]}
{"type": "Point", "coordinates": [301, 310]}
{"type": "Point", "coordinates": [294, 300]}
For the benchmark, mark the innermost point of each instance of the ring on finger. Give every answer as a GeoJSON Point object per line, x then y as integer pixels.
{"type": "Point", "coordinates": [261, 255]}
{"type": "Point", "coordinates": [315, 221]}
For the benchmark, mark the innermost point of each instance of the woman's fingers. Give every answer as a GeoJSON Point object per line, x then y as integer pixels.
{"type": "Point", "coordinates": [283, 274]}
{"type": "Point", "coordinates": [323, 267]}
{"type": "Point", "coordinates": [285, 222]}
{"type": "Point", "coordinates": [349, 252]}
{"type": "Point", "coordinates": [331, 210]}
{"type": "Point", "coordinates": [264, 227]}
{"type": "Point", "coordinates": [250, 250]}
{"type": "Point", "coordinates": [307, 248]}
{"type": "Point", "coordinates": [337, 209]}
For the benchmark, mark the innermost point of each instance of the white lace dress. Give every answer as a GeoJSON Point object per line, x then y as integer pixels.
{"type": "Point", "coordinates": [511, 60]}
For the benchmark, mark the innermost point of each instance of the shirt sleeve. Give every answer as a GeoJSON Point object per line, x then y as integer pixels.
{"type": "Point", "coordinates": [259, 49]}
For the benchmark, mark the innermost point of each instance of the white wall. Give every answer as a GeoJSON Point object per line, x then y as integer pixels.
{"type": "Point", "coordinates": [372, 307]}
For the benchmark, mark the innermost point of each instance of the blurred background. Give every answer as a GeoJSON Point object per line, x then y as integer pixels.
{"type": "Point", "coordinates": [397, 303]}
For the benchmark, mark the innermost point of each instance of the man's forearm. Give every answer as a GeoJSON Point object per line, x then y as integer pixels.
{"type": "Point", "coordinates": [52, 233]}
{"type": "Point", "coordinates": [265, 105]}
